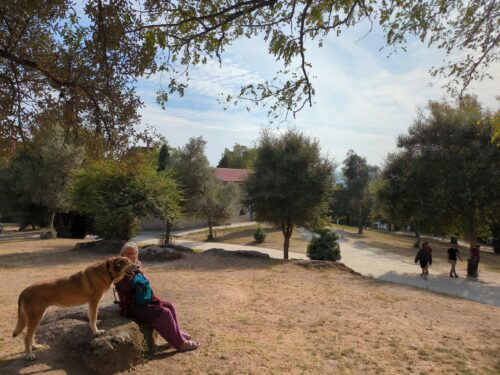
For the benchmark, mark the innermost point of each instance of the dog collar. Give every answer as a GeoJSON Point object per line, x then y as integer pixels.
{"type": "Point", "coordinates": [108, 267]}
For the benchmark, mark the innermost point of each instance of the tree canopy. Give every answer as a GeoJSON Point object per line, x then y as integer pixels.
{"type": "Point", "coordinates": [82, 60]}
{"type": "Point", "coordinates": [353, 197]}
{"type": "Point", "coordinates": [291, 183]}
{"type": "Point", "coordinates": [33, 185]}
{"type": "Point", "coordinates": [240, 156]}
{"type": "Point", "coordinates": [446, 174]}
{"type": "Point", "coordinates": [117, 197]}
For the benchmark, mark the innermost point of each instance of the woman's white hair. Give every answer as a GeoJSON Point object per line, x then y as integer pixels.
{"type": "Point", "coordinates": [129, 245]}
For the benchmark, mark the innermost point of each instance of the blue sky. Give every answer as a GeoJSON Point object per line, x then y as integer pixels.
{"type": "Point", "coordinates": [363, 98]}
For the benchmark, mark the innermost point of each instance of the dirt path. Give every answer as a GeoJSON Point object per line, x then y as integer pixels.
{"type": "Point", "coordinates": [373, 262]}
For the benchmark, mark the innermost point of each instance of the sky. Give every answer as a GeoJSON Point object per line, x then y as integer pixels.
{"type": "Point", "coordinates": [364, 99]}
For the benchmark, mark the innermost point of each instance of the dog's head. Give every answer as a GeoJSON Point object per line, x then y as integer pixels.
{"type": "Point", "coordinates": [117, 267]}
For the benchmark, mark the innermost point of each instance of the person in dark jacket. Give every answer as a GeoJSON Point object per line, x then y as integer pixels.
{"type": "Point", "coordinates": [159, 314]}
{"type": "Point", "coordinates": [424, 256]}
{"type": "Point", "coordinates": [453, 254]}
{"type": "Point", "coordinates": [475, 255]}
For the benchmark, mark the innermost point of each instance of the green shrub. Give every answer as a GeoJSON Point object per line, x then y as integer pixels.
{"type": "Point", "coordinates": [324, 246]}
{"type": "Point", "coordinates": [259, 235]}
{"type": "Point", "coordinates": [116, 198]}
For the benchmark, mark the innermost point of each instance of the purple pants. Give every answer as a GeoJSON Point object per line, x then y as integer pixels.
{"type": "Point", "coordinates": [167, 326]}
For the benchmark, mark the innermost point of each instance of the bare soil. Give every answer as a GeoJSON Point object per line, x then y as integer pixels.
{"type": "Point", "coordinates": [257, 316]}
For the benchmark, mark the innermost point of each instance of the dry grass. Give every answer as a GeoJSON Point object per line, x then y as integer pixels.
{"type": "Point", "coordinates": [244, 236]}
{"type": "Point", "coordinates": [256, 316]}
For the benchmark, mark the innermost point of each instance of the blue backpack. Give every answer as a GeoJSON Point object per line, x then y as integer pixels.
{"type": "Point", "coordinates": [141, 291]}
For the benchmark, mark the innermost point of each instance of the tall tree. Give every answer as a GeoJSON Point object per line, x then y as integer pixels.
{"type": "Point", "coordinates": [446, 173]}
{"type": "Point", "coordinates": [163, 158]}
{"type": "Point", "coordinates": [358, 175]}
{"type": "Point", "coordinates": [240, 156]}
{"type": "Point", "coordinates": [83, 58]}
{"type": "Point", "coordinates": [117, 196]}
{"type": "Point", "coordinates": [291, 182]}
{"type": "Point", "coordinates": [216, 203]}
{"type": "Point", "coordinates": [205, 196]}
{"type": "Point", "coordinates": [36, 179]}
{"type": "Point", "coordinates": [191, 168]}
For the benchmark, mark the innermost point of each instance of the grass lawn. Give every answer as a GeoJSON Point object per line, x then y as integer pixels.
{"type": "Point", "coordinates": [256, 316]}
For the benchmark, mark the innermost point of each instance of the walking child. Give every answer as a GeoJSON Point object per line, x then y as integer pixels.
{"type": "Point", "coordinates": [424, 256]}
{"type": "Point", "coordinates": [453, 253]}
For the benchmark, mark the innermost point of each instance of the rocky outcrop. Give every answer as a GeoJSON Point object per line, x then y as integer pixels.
{"type": "Point", "coordinates": [124, 343]}
{"type": "Point", "coordinates": [159, 254]}
{"type": "Point", "coordinates": [111, 247]}
{"type": "Point", "coordinates": [240, 253]}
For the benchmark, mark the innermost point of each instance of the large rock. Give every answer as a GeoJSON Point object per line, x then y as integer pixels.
{"type": "Point", "coordinates": [124, 344]}
{"type": "Point", "coordinates": [111, 247]}
{"type": "Point", "coordinates": [240, 253]}
{"type": "Point", "coordinates": [159, 254]}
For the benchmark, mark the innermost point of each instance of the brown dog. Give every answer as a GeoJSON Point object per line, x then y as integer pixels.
{"type": "Point", "coordinates": [86, 286]}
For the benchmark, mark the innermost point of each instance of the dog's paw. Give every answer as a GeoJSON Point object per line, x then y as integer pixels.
{"type": "Point", "coordinates": [99, 332]}
{"type": "Point", "coordinates": [37, 347]}
{"type": "Point", "coordinates": [30, 356]}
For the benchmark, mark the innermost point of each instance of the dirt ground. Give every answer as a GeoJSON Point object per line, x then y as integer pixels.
{"type": "Point", "coordinates": [257, 316]}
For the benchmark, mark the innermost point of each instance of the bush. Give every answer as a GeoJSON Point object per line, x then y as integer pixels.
{"type": "Point", "coordinates": [324, 246]}
{"type": "Point", "coordinates": [116, 198]}
{"type": "Point", "coordinates": [259, 235]}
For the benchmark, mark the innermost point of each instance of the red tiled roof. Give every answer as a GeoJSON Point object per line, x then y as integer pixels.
{"type": "Point", "coordinates": [231, 174]}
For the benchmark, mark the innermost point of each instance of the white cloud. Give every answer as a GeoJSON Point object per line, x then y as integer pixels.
{"type": "Point", "coordinates": [363, 99]}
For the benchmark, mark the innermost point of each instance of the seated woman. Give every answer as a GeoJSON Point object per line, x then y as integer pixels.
{"type": "Point", "coordinates": [159, 314]}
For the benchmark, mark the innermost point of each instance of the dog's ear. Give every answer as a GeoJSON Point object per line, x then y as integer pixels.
{"type": "Point", "coordinates": [120, 263]}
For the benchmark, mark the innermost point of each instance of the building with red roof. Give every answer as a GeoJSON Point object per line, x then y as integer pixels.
{"type": "Point", "coordinates": [231, 174]}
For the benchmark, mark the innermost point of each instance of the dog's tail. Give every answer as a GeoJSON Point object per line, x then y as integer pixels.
{"type": "Point", "coordinates": [21, 319]}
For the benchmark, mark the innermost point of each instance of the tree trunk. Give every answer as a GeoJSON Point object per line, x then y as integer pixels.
{"type": "Point", "coordinates": [51, 220]}
{"type": "Point", "coordinates": [417, 242]}
{"type": "Point", "coordinates": [473, 227]}
{"type": "Point", "coordinates": [286, 245]}
{"type": "Point", "coordinates": [287, 233]}
{"type": "Point", "coordinates": [210, 230]}
{"type": "Point", "coordinates": [168, 230]}
{"type": "Point", "coordinates": [360, 221]}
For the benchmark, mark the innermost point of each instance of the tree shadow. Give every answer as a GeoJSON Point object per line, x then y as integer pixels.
{"type": "Point", "coordinates": [49, 258]}
{"type": "Point", "coordinates": [203, 262]}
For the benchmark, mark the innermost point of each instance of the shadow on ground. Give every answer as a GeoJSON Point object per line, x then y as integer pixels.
{"type": "Point", "coordinates": [48, 258]}
{"type": "Point", "coordinates": [205, 262]}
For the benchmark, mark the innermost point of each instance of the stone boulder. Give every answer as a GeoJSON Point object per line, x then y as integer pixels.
{"type": "Point", "coordinates": [111, 247]}
{"type": "Point", "coordinates": [159, 254]}
{"type": "Point", "coordinates": [240, 253]}
{"type": "Point", "coordinates": [124, 343]}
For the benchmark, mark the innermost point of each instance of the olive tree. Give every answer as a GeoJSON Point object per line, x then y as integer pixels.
{"type": "Point", "coordinates": [291, 182]}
